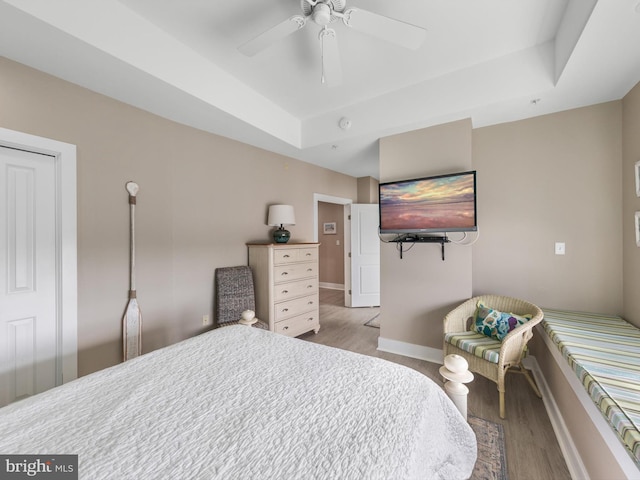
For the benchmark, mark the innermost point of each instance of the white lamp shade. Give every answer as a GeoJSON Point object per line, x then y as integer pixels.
{"type": "Point", "coordinates": [281, 215]}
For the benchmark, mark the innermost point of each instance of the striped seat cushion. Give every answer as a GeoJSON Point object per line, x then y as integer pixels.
{"type": "Point", "coordinates": [476, 344]}
{"type": "Point", "coordinates": [604, 352]}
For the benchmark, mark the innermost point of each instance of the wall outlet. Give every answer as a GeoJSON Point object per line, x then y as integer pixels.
{"type": "Point", "coordinates": [205, 320]}
{"type": "Point", "coordinates": [560, 248]}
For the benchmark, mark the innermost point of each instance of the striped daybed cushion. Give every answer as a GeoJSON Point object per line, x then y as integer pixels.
{"type": "Point", "coordinates": [604, 352]}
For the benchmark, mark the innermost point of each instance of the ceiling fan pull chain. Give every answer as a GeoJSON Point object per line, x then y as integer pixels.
{"type": "Point", "coordinates": [331, 71]}
{"type": "Point", "coordinates": [322, 32]}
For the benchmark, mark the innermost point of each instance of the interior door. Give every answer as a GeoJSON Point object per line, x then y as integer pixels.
{"type": "Point", "coordinates": [364, 255]}
{"type": "Point", "coordinates": [28, 331]}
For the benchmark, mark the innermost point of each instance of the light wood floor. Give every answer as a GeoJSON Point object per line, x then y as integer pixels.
{"type": "Point", "coordinates": [532, 450]}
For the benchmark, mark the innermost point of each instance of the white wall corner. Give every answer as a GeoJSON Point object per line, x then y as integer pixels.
{"type": "Point", "coordinates": [411, 350]}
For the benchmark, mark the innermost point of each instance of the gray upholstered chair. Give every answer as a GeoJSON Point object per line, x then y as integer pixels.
{"type": "Point", "coordinates": [234, 293]}
{"type": "Point", "coordinates": [486, 356]}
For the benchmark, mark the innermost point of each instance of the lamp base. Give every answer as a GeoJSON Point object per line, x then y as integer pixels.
{"type": "Point", "coordinates": [281, 235]}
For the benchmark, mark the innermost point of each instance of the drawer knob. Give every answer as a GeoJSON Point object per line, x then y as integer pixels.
{"type": "Point", "coordinates": [310, 302]}
{"type": "Point", "coordinates": [309, 269]}
{"type": "Point", "coordinates": [308, 254]}
{"type": "Point", "coordinates": [285, 256]}
{"type": "Point", "coordinates": [309, 286]}
{"type": "Point", "coordinates": [285, 291]}
{"type": "Point", "coordinates": [285, 309]}
{"type": "Point", "coordinates": [310, 319]}
{"type": "Point", "coordinates": [284, 273]}
{"type": "Point", "coordinates": [286, 328]}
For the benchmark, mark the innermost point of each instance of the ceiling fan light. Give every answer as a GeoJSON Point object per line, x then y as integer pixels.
{"type": "Point", "coordinates": [322, 14]}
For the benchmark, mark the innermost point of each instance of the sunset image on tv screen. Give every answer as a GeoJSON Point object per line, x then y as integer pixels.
{"type": "Point", "coordinates": [430, 204]}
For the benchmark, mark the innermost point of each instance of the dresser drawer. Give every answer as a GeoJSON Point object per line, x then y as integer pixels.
{"type": "Point", "coordinates": [284, 291]}
{"type": "Point", "coordinates": [287, 273]}
{"type": "Point", "coordinates": [294, 307]}
{"type": "Point", "coordinates": [293, 255]}
{"type": "Point", "coordinates": [299, 324]}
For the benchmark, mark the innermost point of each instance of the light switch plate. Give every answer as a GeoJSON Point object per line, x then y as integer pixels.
{"type": "Point", "coordinates": [560, 248]}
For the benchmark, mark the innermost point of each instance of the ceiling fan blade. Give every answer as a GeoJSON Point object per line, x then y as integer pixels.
{"type": "Point", "coordinates": [331, 67]}
{"type": "Point", "coordinates": [386, 28]}
{"type": "Point", "coordinates": [271, 36]}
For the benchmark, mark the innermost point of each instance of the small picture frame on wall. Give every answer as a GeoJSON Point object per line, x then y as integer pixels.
{"type": "Point", "coordinates": [329, 228]}
{"type": "Point", "coordinates": [637, 224]}
{"type": "Point", "coordinates": [637, 176]}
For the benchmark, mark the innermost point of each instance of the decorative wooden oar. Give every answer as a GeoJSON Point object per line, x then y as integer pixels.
{"type": "Point", "coordinates": [132, 320]}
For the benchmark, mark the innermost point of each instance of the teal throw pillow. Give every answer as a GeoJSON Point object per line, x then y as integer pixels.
{"type": "Point", "coordinates": [496, 324]}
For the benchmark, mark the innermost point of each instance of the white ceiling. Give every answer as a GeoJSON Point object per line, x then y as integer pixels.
{"type": "Point", "coordinates": [489, 60]}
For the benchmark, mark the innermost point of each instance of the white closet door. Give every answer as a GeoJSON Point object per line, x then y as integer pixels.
{"type": "Point", "coordinates": [365, 256]}
{"type": "Point", "coordinates": [28, 330]}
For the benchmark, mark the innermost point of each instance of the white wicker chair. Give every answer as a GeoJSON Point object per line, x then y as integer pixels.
{"type": "Point", "coordinates": [510, 350]}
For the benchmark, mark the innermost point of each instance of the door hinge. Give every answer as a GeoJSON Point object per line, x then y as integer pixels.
{"type": "Point", "coordinates": [349, 291]}
{"type": "Point", "coordinates": [349, 254]}
{"type": "Point", "coordinates": [348, 217]}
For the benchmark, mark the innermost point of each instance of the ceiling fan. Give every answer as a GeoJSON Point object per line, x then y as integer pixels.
{"type": "Point", "coordinates": [324, 12]}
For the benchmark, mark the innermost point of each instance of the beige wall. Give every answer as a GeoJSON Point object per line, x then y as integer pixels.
{"type": "Point", "coordinates": [631, 202]}
{"type": "Point", "coordinates": [331, 248]}
{"type": "Point", "coordinates": [367, 190]}
{"type": "Point", "coordinates": [546, 179]}
{"type": "Point", "coordinates": [202, 197]}
{"type": "Point", "coordinates": [418, 290]}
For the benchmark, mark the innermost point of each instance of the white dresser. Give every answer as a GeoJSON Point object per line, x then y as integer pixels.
{"type": "Point", "coordinates": [286, 286]}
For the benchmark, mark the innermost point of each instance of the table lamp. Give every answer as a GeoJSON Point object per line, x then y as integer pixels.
{"type": "Point", "coordinates": [279, 216]}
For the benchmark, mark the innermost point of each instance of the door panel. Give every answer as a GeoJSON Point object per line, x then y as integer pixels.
{"type": "Point", "coordinates": [28, 331]}
{"type": "Point", "coordinates": [365, 256]}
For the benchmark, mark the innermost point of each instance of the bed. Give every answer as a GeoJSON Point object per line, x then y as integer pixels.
{"type": "Point", "coordinates": [240, 402]}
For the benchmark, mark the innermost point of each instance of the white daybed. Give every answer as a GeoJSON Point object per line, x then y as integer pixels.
{"type": "Point", "coordinates": [243, 403]}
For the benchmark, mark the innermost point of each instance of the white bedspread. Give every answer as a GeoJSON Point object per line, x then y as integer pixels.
{"type": "Point", "coordinates": [242, 403]}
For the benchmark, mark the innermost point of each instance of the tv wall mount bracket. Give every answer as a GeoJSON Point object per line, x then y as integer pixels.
{"type": "Point", "coordinates": [426, 239]}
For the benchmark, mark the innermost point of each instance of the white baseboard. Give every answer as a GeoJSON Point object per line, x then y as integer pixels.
{"type": "Point", "coordinates": [332, 286]}
{"type": "Point", "coordinates": [420, 352]}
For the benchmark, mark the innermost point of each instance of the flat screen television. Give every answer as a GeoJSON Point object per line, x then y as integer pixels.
{"type": "Point", "coordinates": [436, 204]}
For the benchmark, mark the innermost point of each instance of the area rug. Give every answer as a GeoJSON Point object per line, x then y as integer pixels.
{"type": "Point", "coordinates": [492, 462]}
{"type": "Point", "coordinates": [373, 322]}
